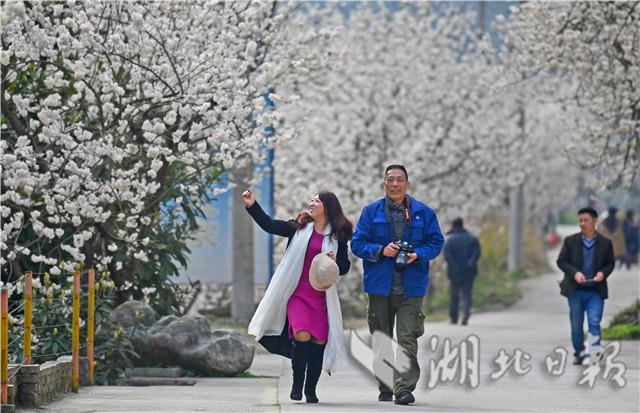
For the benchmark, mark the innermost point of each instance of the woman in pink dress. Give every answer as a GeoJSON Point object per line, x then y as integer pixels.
{"type": "Point", "coordinates": [307, 328]}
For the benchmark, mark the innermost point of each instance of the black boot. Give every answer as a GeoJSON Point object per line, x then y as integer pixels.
{"type": "Point", "coordinates": [314, 368]}
{"type": "Point", "coordinates": [299, 357]}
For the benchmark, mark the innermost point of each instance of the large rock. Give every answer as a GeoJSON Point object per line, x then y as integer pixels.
{"type": "Point", "coordinates": [134, 317]}
{"type": "Point", "coordinates": [133, 313]}
{"type": "Point", "coordinates": [189, 342]}
{"type": "Point", "coordinates": [224, 353]}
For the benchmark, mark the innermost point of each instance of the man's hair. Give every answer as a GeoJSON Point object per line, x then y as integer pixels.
{"type": "Point", "coordinates": [457, 223]}
{"type": "Point", "coordinates": [401, 167]}
{"type": "Point", "coordinates": [590, 211]}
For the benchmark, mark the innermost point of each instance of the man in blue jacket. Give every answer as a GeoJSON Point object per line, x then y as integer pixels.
{"type": "Point", "coordinates": [395, 293]}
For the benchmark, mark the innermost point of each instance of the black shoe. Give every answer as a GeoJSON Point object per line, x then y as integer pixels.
{"type": "Point", "coordinates": [299, 357]}
{"type": "Point", "coordinates": [385, 396]}
{"type": "Point", "coordinates": [314, 369]}
{"type": "Point", "coordinates": [404, 398]}
{"type": "Point", "coordinates": [465, 321]}
{"type": "Point", "coordinates": [453, 321]}
{"type": "Point", "coordinates": [577, 360]}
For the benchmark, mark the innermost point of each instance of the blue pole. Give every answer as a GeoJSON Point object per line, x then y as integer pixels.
{"type": "Point", "coordinates": [269, 132]}
{"type": "Point", "coordinates": [272, 205]}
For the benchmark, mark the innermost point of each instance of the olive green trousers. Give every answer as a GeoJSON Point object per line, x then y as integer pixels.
{"type": "Point", "coordinates": [406, 314]}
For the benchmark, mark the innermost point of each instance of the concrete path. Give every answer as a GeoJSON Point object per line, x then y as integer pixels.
{"type": "Point", "coordinates": [537, 324]}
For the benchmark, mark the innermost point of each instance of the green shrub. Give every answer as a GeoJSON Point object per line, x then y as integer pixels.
{"type": "Point", "coordinates": [625, 325]}
{"type": "Point", "coordinates": [629, 315]}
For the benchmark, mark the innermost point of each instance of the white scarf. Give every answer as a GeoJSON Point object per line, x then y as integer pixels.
{"type": "Point", "coordinates": [271, 314]}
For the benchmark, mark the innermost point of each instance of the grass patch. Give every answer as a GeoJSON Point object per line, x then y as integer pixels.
{"type": "Point", "coordinates": [622, 332]}
{"type": "Point", "coordinates": [490, 292]}
{"type": "Point", "coordinates": [495, 291]}
{"type": "Point", "coordinates": [625, 325]}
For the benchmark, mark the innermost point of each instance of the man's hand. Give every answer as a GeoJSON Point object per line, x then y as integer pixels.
{"type": "Point", "coordinates": [599, 276]}
{"type": "Point", "coordinates": [412, 257]}
{"type": "Point", "coordinates": [580, 278]}
{"type": "Point", "coordinates": [391, 250]}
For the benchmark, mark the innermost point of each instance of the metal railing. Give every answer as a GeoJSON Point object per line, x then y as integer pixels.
{"type": "Point", "coordinates": [27, 308]}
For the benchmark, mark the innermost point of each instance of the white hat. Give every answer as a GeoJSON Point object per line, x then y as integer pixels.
{"type": "Point", "coordinates": [323, 273]}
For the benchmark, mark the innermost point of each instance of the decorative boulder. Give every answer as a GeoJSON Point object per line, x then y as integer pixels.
{"type": "Point", "coordinates": [224, 353]}
{"type": "Point", "coordinates": [133, 313]}
{"type": "Point", "coordinates": [189, 342]}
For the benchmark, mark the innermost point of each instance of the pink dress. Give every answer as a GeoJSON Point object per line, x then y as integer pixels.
{"type": "Point", "coordinates": [307, 307]}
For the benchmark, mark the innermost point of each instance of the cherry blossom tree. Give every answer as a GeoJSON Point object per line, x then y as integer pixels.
{"type": "Point", "coordinates": [415, 86]}
{"type": "Point", "coordinates": [593, 48]}
{"type": "Point", "coordinates": [117, 118]}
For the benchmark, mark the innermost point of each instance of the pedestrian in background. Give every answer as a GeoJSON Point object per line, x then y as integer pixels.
{"type": "Point", "coordinates": [462, 252]}
{"type": "Point", "coordinates": [631, 238]}
{"type": "Point", "coordinates": [612, 228]}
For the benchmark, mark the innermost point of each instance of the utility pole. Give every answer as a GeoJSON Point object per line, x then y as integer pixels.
{"type": "Point", "coordinates": [242, 268]}
{"type": "Point", "coordinates": [516, 214]}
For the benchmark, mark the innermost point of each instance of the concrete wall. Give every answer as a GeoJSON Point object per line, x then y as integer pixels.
{"type": "Point", "coordinates": [39, 384]}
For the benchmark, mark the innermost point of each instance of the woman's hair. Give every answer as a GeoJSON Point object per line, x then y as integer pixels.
{"type": "Point", "coordinates": [341, 227]}
{"type": "Point", "coordinates": [302, 220]}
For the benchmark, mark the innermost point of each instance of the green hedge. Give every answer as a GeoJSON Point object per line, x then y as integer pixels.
{"type": "Point", "coordinates": [625, 325]}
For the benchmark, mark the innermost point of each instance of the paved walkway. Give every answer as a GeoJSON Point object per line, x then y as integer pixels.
{"type": "Point", "coordinates": [537, 324]}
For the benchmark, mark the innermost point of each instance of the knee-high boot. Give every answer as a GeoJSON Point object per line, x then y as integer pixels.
{"type": "Point", "coordinates": [299, 358]}
{"type": "Point", "coordinates": [314, 369]}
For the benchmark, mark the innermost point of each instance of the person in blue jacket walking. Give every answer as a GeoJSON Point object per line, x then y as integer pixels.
{"type": "Point", "coordinates": [393, 291]}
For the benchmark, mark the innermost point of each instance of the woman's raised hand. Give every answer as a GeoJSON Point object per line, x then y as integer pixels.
{"type": "Point", "coordinates": [248, 197]}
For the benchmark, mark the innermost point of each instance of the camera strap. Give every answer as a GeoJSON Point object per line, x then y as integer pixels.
{"type": "Point", "coordinates": [407, 210]}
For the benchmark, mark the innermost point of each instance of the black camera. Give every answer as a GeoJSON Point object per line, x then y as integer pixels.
{"type": "Point", "coordinates": [403, 255]}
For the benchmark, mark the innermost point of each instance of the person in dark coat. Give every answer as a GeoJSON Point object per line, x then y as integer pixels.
{"type": "Point", "coordinates": [631, 238]}
{"type": "Point", "coordinates": [462, 252]}
{"type": "Point", "coordinates": [611, 227]}
{"type": "Point", "coordinates": [587, 260]}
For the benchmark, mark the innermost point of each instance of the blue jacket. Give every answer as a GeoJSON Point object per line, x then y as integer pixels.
{"type": "Point", "coordinates": [373, 232]}
{"type": "Point", "coordinates": [462, 251]}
